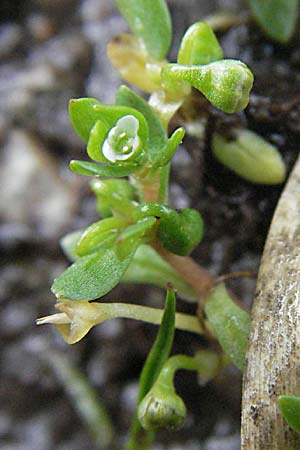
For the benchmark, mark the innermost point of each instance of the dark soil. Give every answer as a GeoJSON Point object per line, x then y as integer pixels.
{"type": "Point", "coordinates": [51, 51]}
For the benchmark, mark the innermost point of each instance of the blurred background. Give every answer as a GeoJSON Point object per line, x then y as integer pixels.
{"type": "Point", "coordinates": [54, 50]}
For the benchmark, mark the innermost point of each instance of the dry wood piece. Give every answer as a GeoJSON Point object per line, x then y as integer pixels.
{"type": "Point", "coordinates": [273, 359]}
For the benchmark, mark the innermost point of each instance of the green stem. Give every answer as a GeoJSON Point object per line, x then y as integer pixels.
{"type": "Point", "coordinates": [175, 363]}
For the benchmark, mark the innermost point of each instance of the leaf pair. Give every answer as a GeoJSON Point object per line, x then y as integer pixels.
{"type": "Point", "coordinates": [102, 255]}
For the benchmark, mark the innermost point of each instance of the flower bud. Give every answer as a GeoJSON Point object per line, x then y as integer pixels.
{"type": "Point", "coordinates": [162, 408]}
{"type": "Point", "coordinates": [226, 83]}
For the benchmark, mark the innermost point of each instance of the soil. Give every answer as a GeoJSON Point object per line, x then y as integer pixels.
{"type": "Point", "coordinates": [53, 51]}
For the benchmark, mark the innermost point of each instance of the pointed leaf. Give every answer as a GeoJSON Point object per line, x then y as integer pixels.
{"type": "Point", "coordinates": [92, 276]}
{"type": "Point", "coordinates": [168, 151]}
{"type": "Point", "coordinates": [150, 21]}
{"type": "Point", "coordinates": [161, 348]}
{"type": "Point", "coordinates": [156, 358]}
{"type": "Point", "coordinates": [278, 18]}
{"type": "Point", "coordinates": [91, 169]}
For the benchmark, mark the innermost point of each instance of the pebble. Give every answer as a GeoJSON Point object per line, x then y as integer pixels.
{"type": "Point", "coordinates": [10, 38]}
{"type": "Point", "coordinates": [40, 26]}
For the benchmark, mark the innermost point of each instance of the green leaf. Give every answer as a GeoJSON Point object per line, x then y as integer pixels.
{"type": "Point", "coordinates": [150, 21]}
{"type": "Point", "coordinates": [226, 83]}
{"type": "Point", "coordinates": [92, 276]}
{"type": "Point", "coordinates": [250, 156]}
{"type": "Point", "coordinates": [157, 134]}
{"type": "Point", "coordinates": [98, 232]}
{"type": "Point", "coordinates": [91, 169]}
{"type": "Point", "coordinates": [199, 46]}
{"type": "Point", "coordinates": [136, 231]}
{"type": "Point", "coordinates": [289, 406]}
{"type": "Point", "coordinates": [157, 357]}
{"type": "Point", "coordinates": [147, 267]}
{"type": "Point", "coordinates": [85, 112]}
{"type": "Point", "coordinates": [180, 234]}
{"type": "Point", "coordinates": [229, 323]}
{"type": "Point", "coordinates": [277, 18]}
{"type": "Point", "coordinates": [168, 151]}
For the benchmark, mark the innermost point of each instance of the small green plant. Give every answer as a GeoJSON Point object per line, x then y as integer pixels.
{"type": "Point", "coordinates": [139, 237]}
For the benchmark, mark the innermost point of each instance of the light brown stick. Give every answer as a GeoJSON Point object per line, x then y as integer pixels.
{"type": "Point", "coordinates": [273, 359]}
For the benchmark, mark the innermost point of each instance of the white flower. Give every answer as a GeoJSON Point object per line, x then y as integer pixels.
{"type": "Point", "coordinates": [122, 141]}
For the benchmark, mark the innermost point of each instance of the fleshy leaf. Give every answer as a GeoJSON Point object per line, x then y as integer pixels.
{"type": "Point", "coordinates": [250, 156]}
{"type": "Point", "coordinates": [226, 83]}
{"type": "Point", "coordinates": [99, 232]}
{"type": "Point", "coordinates": [157, 134]}
{"type": "Point", "coordinates": [278, 18]}
{"type": "Point", "coordinates": [199, 46]}
{"type": "Point", "coordinates": [91, 169]}
{"type": "Point", "coordinates": [181, 233]}
{"type": "Point", "coordinates": [147, 267]}
{"type": "Point", "coordinates": [229, 323]}
{"type": "Point", "coordinates": [92, 276]}
{"type": "Point", "coordinates": [289, 406]}
{"type": "Point", "coordinates": [136, 231]}
{"type": "Point", "coordinates": [114, 195]}
{"type": "Point", "coordinates": [85, 112]}
{"type": "Point", "coordinates": [150, 21]}
{"type": "Point", "coordinates": [178, 231]}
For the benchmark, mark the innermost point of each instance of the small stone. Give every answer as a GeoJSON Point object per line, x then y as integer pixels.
{"type": "Point", "coordinates": [40, 26]}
